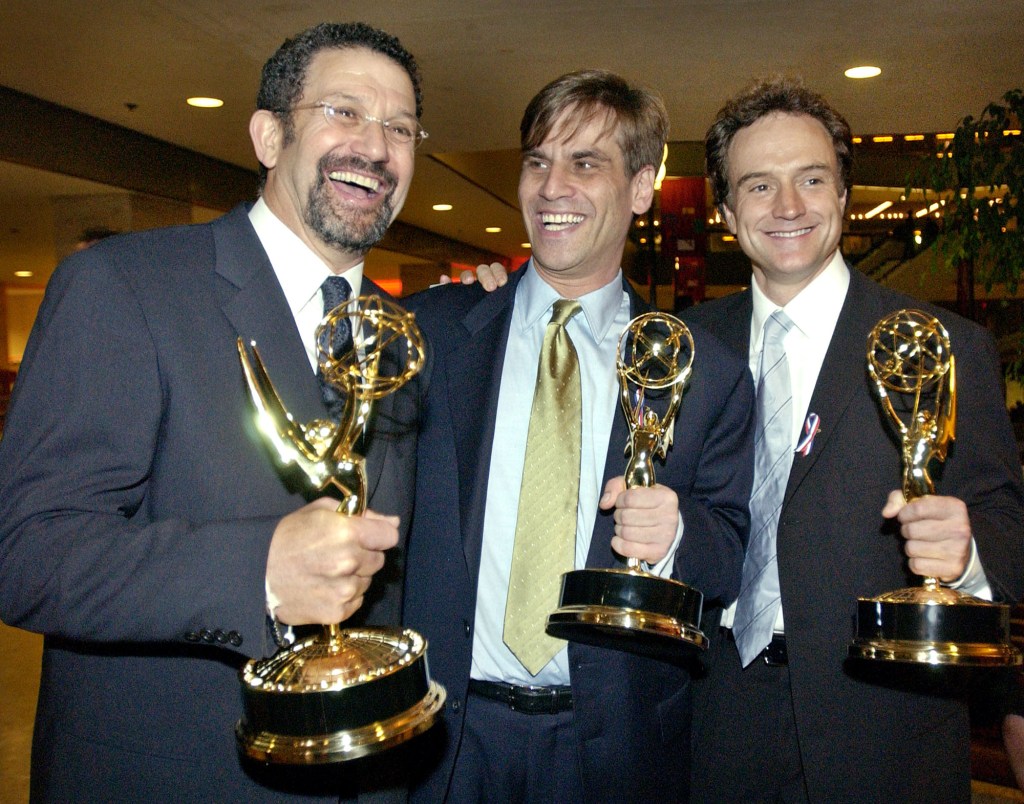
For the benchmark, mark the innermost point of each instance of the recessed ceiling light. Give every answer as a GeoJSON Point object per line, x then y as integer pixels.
{"type": "Point", "coordinates": [863, 72]}
{"type": "Point", "coordinates": [442, 207]}
{"type": "Point", "coordinates": [525, 245]}
{"type": "Point", "coordinates": [23, 274]}
{"type": "Point", "coordinates": [205, 103]}
{"type": "Point", "coordinates": [492, 229]}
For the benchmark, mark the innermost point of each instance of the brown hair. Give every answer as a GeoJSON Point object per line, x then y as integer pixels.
{"type": "Point", "coordinates": [640, 114]}
{"type": "Point", "coordinates": [778, 94]}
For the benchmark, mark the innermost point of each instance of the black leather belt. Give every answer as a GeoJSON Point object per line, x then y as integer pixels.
{"type": "Point", "coordinates": [528, 700]}
{"type": "Point", "coordinates": [774, 655]}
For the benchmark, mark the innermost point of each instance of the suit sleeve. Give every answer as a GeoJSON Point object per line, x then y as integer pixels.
{"type": "Point", "coordinates": [983, 467]}
{"type": "Point", "coordinates": [716, 510]}
{"type": "Point", "coordinates": [82, 554]}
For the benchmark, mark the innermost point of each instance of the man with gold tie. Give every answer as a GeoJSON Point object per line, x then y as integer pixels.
{"type": "Point", "coordinates": [519, 479]}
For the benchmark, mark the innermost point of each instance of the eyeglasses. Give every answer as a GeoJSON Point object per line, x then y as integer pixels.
{"type": "Point", "coordinates": [404, 131]}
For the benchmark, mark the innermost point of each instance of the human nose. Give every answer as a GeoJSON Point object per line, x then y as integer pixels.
{"type": "Point", "coordinates": [369, 140]}
{"type": "Point", "coordinates": [788, 202]}
{"type": "Point", "coordinates": [555, 184]}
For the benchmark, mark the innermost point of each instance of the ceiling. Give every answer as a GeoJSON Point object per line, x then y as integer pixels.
{"type": "Point", "coordinates": [133, 63]}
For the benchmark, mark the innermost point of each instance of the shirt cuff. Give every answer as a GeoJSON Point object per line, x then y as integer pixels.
{"type": "Point", "coordinates": [973, 580]}
{"type": "Point", "coordinates": [283, 633]}
{"type": "Point", "coordinates": [663, 569]}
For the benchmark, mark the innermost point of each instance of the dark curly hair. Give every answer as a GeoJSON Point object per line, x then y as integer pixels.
{"type": "Point", "coordinates": [639, 113]}
{"type": "Point", "coordinates": [764, 97]}
{"type": "Point", "coordinates": [284, 75]}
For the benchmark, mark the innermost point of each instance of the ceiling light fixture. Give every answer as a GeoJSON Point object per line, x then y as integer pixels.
{"type": "Point", "coordinates": [23, 274]}
{"type": "Point", "coordinates": [442, 207]}
{"type": "Point", "coordinates": [525, 245]}
{"type": "Point", "coordinates": [880, 208]}
{"type": "Point", "coordinates": [205, 103]}
{"type": "Point", "coordinates": [863, 72]}
{"type": "Point", "coordinates": [492, 229]}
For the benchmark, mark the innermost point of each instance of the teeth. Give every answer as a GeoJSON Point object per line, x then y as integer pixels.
{"type": "Point", "coordinates": [796, 233]}
{"type": "Point", "coordinates": [367, 182]}
{"type": "Point", "coordinates": [559, 221]}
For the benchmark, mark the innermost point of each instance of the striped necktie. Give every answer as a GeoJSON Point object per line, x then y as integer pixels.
{"type": "Point", "coordinates": [758, 605]}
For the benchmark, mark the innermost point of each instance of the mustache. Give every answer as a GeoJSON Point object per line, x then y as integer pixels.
{"type": "Point", "coordinates": [329, 163]}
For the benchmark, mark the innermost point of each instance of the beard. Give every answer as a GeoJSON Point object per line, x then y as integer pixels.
{"type": "Point", "coordinates": [348, 229]}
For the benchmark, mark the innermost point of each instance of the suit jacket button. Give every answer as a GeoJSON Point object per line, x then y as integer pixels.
{"type": "Point", "coordinates": [206, 635]}
{"type": "Point", "coordinates": [221, 637]}
{"type": "Point", "coordinates": [235, 638]}
{"type": "Point", "coordinates": [192, 636]}
{"type": "Point", "coordinates": [456, 704]}
{"type": "Point", "coordinates": [465, 625]}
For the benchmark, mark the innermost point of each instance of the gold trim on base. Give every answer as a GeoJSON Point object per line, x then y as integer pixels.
{"type": "Point", "coordinates": [628, 621]}
{"type": "Point", "coordinates": [346, 744]}
{"type": "Point", "coordinates": [963, 654]}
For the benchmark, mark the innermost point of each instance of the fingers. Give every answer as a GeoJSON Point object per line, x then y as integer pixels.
{"type": "Point", "coordinates": [320, 563]}
{"type": "Point", "coordinates": [937, 533]}
{"type": "Point", "coordinates": [646, 520]}
{"type": "Point", "coordinates": [491, 277]}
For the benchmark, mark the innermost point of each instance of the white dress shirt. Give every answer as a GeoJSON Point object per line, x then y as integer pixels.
{"type": "Point", "coordinates": [301, 272]}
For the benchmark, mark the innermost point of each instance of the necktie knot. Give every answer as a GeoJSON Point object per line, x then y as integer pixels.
{"type": "Point", "coordinates": [335, 290]}
{"type": "Point", "coordinates": [563, 310]}
{"type": "Point", "coordinates": [776, 326]}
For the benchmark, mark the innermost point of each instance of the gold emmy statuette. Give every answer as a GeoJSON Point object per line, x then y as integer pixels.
{"type": "Point", "coordinates": [631, 609]}
{"type": "Point", "coordinates": [344, 693]}
{"type": "Point", "coordinates": [911, 365]}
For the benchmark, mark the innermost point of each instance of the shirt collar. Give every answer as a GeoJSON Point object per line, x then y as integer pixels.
{"type": "Point", "coordinates": [534, 298]}
{"type": "Point", "coordinates": [814, 310]}
{"type": "Point", "coordinates": [299, 270]}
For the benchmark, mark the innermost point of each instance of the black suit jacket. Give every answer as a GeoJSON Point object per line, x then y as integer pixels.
{"type": "Point", "coordinates": [632, 715]}
{"type": "Point", "coordinates": [863, 741]}
{"type": "Point", "coordinates": [137, 503]}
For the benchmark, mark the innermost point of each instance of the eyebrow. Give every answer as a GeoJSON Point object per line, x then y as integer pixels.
{"type": "Point", "coordinates": [761, 174]}
{"type": "Point", "coordinates": [342, 95]}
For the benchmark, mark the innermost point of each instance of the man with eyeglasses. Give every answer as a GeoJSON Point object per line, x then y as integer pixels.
{"type": "Point", "coordinates": [143, 526]}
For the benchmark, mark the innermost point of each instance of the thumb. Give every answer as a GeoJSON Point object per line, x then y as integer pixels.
{"type": "Point", "coordinates": [612, 489]}
{"type": "Point", "coordinates": [894, 504]}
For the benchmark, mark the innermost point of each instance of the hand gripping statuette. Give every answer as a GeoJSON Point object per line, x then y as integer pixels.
{"type": "Point", "coordinates": [914, 372]}
{"type": "Point", "coordinates": [631, 609]}
{"type": "Point", "coordinates": [344, 693]}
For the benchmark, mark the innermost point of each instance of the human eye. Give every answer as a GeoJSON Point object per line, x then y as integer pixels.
{"type": "Point", "coordinates": [342, 113]}
{"type": "Point", "coordinates": [534, 163]}
{"type": "Point", "coordinates": [401, 130]}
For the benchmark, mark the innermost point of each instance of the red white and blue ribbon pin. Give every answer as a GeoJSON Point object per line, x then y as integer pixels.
{"type": "Point", "coordinates": [811, 428]}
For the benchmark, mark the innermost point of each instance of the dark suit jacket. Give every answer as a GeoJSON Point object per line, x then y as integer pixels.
{"type": "Point", "coordinates": [137, 503]}
{"type": "Point", "coordinates": [864, 741]}
{"type": "Point", "coordinates": [632, 715]}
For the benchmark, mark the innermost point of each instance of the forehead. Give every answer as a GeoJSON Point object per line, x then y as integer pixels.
{"type": "Point", "coordinates": [778, 141]}
{"type": "Point", "coordinates": [574, 130]}
{"type": "Point", "coordinates": [360, 73]}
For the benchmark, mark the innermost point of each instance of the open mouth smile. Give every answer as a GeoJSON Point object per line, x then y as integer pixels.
{"type": "Point", "coordinates": [556, 222]}
{"type": "Point", "coordinates": [794, 233]}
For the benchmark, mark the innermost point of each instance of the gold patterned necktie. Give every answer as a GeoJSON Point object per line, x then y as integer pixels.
{"type": "Point", "coordinates": [545, 541]}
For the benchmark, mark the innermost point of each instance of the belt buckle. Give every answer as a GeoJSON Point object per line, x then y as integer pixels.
{"type": "Point", "coordinates": [532, 700]}
{"type": "Point", "coordinates": [775, 655]}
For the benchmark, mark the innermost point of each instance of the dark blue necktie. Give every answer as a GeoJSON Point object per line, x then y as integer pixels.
{"type": "Point", "coordinates": [336, 290]}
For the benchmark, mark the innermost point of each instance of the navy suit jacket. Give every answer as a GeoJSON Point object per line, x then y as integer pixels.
{"type": "Point", "coordinates": [137, 503]}
{"type": "Point", "coordinates": [631, 714]}
{"type": "Point", "coordinates": [859, 740]}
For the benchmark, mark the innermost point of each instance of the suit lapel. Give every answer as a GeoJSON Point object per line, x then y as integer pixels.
{"type": "Point", "coordinates": [474, 381]}
{"type": "Point", "coordinates": [254, 303]}
{"type": "Point", "coordinates": [842, 373]}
